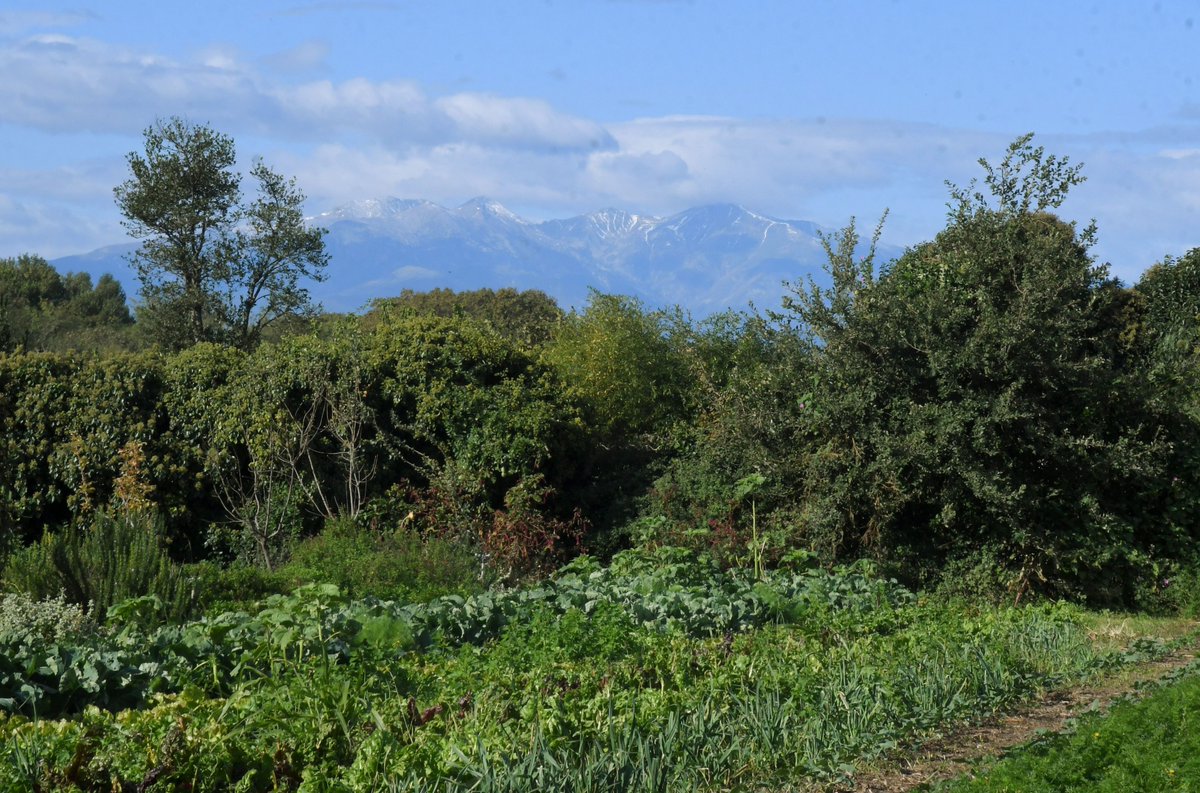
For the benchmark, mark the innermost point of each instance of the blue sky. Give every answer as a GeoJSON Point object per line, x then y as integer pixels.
{"type": "Point", "coordinates": [803, 110]}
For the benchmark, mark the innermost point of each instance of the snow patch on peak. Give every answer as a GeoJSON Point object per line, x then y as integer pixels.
{"type": "Point", "coordinates": [373, 209]}
{"type": "Point", "coordinates": [609, 222]}
{"type": "Point", "coordinates": [482, 205]}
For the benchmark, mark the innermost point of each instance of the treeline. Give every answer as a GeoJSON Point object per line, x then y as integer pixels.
{"type": "Point", "coordinates": [42, 309]}
{"type": "Point", "coordinates": [991, 413]}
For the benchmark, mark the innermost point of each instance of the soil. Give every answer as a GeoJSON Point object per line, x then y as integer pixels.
{"type": "Point", "coordinates": [957, 753]}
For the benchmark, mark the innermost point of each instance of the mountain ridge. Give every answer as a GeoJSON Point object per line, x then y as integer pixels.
{"type": "Point", "coordinates": [706, 259]}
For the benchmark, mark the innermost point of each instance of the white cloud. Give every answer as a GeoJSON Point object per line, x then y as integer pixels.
{"type": "Point", "coordinates": [615, 176]}
{"type": "Point", "coordinates": [1144, 198]}
{"type": "Point", "coordinates": [49, 228]}
{"type": "Point", "coordinates": [305, 56]}
{"type": "Point", "coordinates": [77, 182]}
{"type": "Point", "coordinates": [503, 120]}
{"type": "Point", "coordinates": [413, 273]}
{"type": "Point", "coordinates": [447, 173]}
{"type": "Point", "coordinates": [59, 83]}
{"type": "Point", "coordinates": [1180, 154]}
{"type": "Point", "coordinates": [824, 170]}
{"type": "Point", "coordinates": [1144, 202]}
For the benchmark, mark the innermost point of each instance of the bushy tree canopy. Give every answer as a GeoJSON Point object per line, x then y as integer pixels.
{"type": "Point", "coordinates": [526, 317]}
{"type": "Point", "coordinates": [971, 395]}
{"type": "Point", "coordinates": [214, 268]}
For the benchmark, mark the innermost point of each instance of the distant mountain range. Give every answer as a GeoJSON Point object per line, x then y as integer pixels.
{"type": "Point", "coordinates": [704, 259]}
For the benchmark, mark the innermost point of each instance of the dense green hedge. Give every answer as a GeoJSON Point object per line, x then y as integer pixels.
{"type": "Point", "coordinates": [316, 426]}
{"type": "Point", "coordinates": [64, 420]}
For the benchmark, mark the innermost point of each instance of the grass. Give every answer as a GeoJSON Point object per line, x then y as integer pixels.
{"type": "Point", "coordinates": [1152, 744]}
{"type": "Point", "coordinates": [1117, 631]}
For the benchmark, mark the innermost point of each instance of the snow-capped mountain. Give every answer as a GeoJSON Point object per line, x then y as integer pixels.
{"type": "Point", "coordinates": [704, 259]}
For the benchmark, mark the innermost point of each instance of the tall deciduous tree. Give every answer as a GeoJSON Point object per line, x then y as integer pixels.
{"type": "Point", "coordinates": [211, 267]}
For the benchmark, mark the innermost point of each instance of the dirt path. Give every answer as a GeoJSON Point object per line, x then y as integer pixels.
{"type": "Point", "coordinates": [956, 753]}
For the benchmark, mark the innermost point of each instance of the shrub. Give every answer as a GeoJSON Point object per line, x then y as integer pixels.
{"type": "Point", "coordinates": [395, 565]}
{"type": "Point", "coordinates": [48, 620]}
{"type": "Point", "coordinates": [1169, 589]}
{"type": "Point", "coordinates": [216, 588]}
{"type": "Point", "coordinates": [978, 577]}
{"type": "Point", "coordinates": [64, 422]}
{"type": "Point", "coordinates": [115, 558]}
{"type": "Point", "coordinates": [973, 396]}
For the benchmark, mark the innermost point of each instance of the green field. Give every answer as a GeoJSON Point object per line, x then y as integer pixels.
{"type": "Point", "coordinates": [657, 672]}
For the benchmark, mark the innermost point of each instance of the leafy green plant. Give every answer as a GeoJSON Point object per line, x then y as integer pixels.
{"type": "Point", "coordinates": [660, 671]}
{"type": "Point", "coordinates": [219, 588]}
{"type": "Point", "coordinates": [1169, 588]}
{"type": "Point", "coordinates": [48, 620]}
{"type": "Point", "coordinates": [980, 576]}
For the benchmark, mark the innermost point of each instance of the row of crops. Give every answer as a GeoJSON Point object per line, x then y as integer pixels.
{"type": "Point", "coordinates": [658, 672]}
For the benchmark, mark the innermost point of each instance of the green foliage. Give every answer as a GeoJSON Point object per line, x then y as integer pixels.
{"type": "Point", "coordinates": [1164, 329]}
{"type": "Point", "coordinates": [667, 592]}
{"type": "Point", "coordinates": [626, 362]}
{"type": "Point", "coordinates": [568, 693]}
{"type": "Point", "coordinates": [211, 267]}
{"type": "Point", "coordinates": [272, 443]}
{"type": "Point", "coordinates": [48, 620]}
{"type": "Point", "coordinates": [43, 310]}
{"type": "Point", "coordinates": [68, 427]}
{"type": "Point", "coordinates": [1166, 324]}
{"type": "Point", "coordinates": [485, 436]}
{"type": "Point", "coordinates": [300, 417]}
{"type": "Point", "coordinates": [971, 398]}
{"type": "Point", "coordinates": [630, 369]}
{"type": "Point", "coordinates": [237, 587]}
{"type": "Point", "coordinates": [479, 434]}
{"type": "Point", "coordinates": [390, 564]}
{"type": "Point", "coordinates": [1171, 295]}
{"type": "Point", "coordinates": [457, 391]}
{"type": "Point", "coordinates": [756, 418]}
{"type": "Point", "coordinates": [756, 399]}
{"type": "Point", "coordinates": [982, 576]}
{"type": "Point", "coordinates": [198, 382]}
{"type": "Point", "coordinates": [1169, 588]}
{"type": "Point", "coordinates": [1147, 745]}
{"type": "Point", "coordinates": [114, 558]}
{"type": "Point", "coordinates": [526, 318]}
